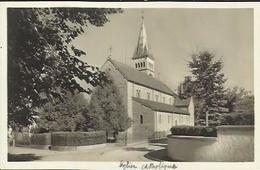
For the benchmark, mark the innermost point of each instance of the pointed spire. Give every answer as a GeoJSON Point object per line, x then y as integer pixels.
{"type": "Point", "coordinates": [142, 49]}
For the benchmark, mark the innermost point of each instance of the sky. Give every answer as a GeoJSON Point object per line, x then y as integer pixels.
{"type": "Point", "coordinates": [175, 34]}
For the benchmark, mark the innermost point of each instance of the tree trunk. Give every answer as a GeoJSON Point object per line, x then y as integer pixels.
{"type": "Point", "coordinates": [207, 118]}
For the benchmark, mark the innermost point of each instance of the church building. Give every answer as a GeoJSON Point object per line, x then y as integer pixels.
{"type": "Point", "coordinates": [153, 107]}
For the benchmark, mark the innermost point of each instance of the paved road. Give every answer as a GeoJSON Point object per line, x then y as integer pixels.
{"type": "Point", "coordinates": [109, 152]}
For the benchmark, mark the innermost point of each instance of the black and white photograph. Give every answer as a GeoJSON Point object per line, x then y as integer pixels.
{"type": "Point", "coordinates": [158, 86]}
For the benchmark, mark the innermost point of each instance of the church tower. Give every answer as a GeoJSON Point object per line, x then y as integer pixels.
{"type": "Point", "coordinates": [143, 59]}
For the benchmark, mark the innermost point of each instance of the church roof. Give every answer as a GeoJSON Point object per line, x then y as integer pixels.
{"type": "Point", "coordinates": [161, 107]}
{"type": "Point", "coordinates": [137, 77]}
{"type": "Point", "coordinates": [142, 50]}
{"type": "Point", "coordinates": [182, 103]}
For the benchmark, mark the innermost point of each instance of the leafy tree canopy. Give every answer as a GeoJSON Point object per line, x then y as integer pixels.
{"type": "Point", "coordinates": [42, 64]}
{"type": "Point", "coordinates": [63, 116]}
{"type": "Point", "coordinates": [239, 100]}
{"type": "Point", "coordinates": [107, 106]}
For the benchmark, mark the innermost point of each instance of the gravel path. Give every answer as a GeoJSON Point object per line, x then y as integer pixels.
{"type": "Point", "coordinates": [110, 152]}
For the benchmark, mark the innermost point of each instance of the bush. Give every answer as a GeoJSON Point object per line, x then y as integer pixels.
{"type": "Point", "coordinates": [41, 139]}
{"type": "Point", "coordinates": [78, 138]}
{"type": "Point", "coordinates": [194, 131]}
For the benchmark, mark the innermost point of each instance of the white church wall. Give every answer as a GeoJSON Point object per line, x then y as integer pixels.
{"type": "Point", "coordinates": [164, 121]}
{"type": "Point", "coordinates": [130, 89]}
{"type": "Point", "coordinates": [145, 128]}
{"type": "Point", "coordinates": [162, 97]}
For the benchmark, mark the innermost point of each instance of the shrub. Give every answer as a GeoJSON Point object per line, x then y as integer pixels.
{"type": "Point", "coordinates": [41, 139]}
{"type": "Point", "coordinates": [194, 131]}
{"type": "Point", "coordinates": [78, 138]}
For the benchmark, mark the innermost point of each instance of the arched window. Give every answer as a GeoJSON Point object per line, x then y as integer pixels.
{"type": "Point", "coordinates": [135, 65]}
{"type": "Point", "coordinates": [138, 65]}
{"type": "Point", "coordinates": [144, 64]}
{"type": "Point", "coordinates": [141, 64]}
{"type": "Point", "coordinates": [141, 119]}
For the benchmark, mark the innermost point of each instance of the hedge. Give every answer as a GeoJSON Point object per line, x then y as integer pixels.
{"type": "Point", "coordinates": [194, 131]}
{"type": "Point", "coordinates": [78, 138]}
{"type": "Point", "coordinates": [41, 139]}
{"type": "Point", "coordinates": [22, 138]}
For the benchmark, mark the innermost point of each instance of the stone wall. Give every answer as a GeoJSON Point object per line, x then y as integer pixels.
{"type": "Point", "coordinates": [232, 144]}
{"type": "Point", "coordinates": [145, 130]}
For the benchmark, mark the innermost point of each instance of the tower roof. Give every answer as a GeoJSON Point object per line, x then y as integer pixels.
{"type": "Point", "coordinates": [142, 50]}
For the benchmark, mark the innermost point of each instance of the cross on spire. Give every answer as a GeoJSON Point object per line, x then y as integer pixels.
{"type": "Point", "coordinates": [110, 51]}
{"type": "Point", "coordinates": [142, 12]}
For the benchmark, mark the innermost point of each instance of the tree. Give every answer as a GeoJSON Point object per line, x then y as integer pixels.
{"type": "Point", "coordinates": [208, 84]}
{"type": "Point", "coordinates": [108, 108]}
{"type": "Point", "coordinates": [42, 63]}
{"type": "Point", "coordinates": [239, 100]}
{"type": "Point", "coordinates": [64, 116]}
{"type": "Point", "coordinates": [185, 89]}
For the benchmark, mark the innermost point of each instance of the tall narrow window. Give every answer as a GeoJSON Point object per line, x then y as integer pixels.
{"type": "Point", "coordinates": [156, 98]}
{"type": "Point", "coordinates": [138, 93]}
{"type": "Point", "coordinates": [148, 96]}
{"type": "Point", "coordinates": [135, 65]}
{"type": "Point", "coordinates": [141, 119]}
{"type": "Point", "coordinates": [144, 64]}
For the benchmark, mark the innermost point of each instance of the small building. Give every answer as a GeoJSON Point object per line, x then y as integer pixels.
{"type": "Point", "coordinates": [152, 105]}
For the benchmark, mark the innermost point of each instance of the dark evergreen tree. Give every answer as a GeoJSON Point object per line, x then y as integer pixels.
{"type": "Point", "coordinates": [186, 88]}
{"type": "Point", "coordinates": [108, 109]}
{"type": "Point", "coordinates": [208, 86]}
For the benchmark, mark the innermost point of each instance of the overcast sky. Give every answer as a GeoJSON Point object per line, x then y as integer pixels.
{"type": "Point", "coordinates": [173, 35]}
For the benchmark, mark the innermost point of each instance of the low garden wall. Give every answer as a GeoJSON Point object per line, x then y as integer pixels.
{"type": "Point", "coordinates": [232, 144]}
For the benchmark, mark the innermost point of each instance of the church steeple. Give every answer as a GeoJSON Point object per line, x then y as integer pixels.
{"type": "Point", "coordinates": [143, 58]}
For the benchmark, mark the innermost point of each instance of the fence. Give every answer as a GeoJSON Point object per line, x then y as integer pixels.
{"type": "Point", "coordinates": [60, 139]}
